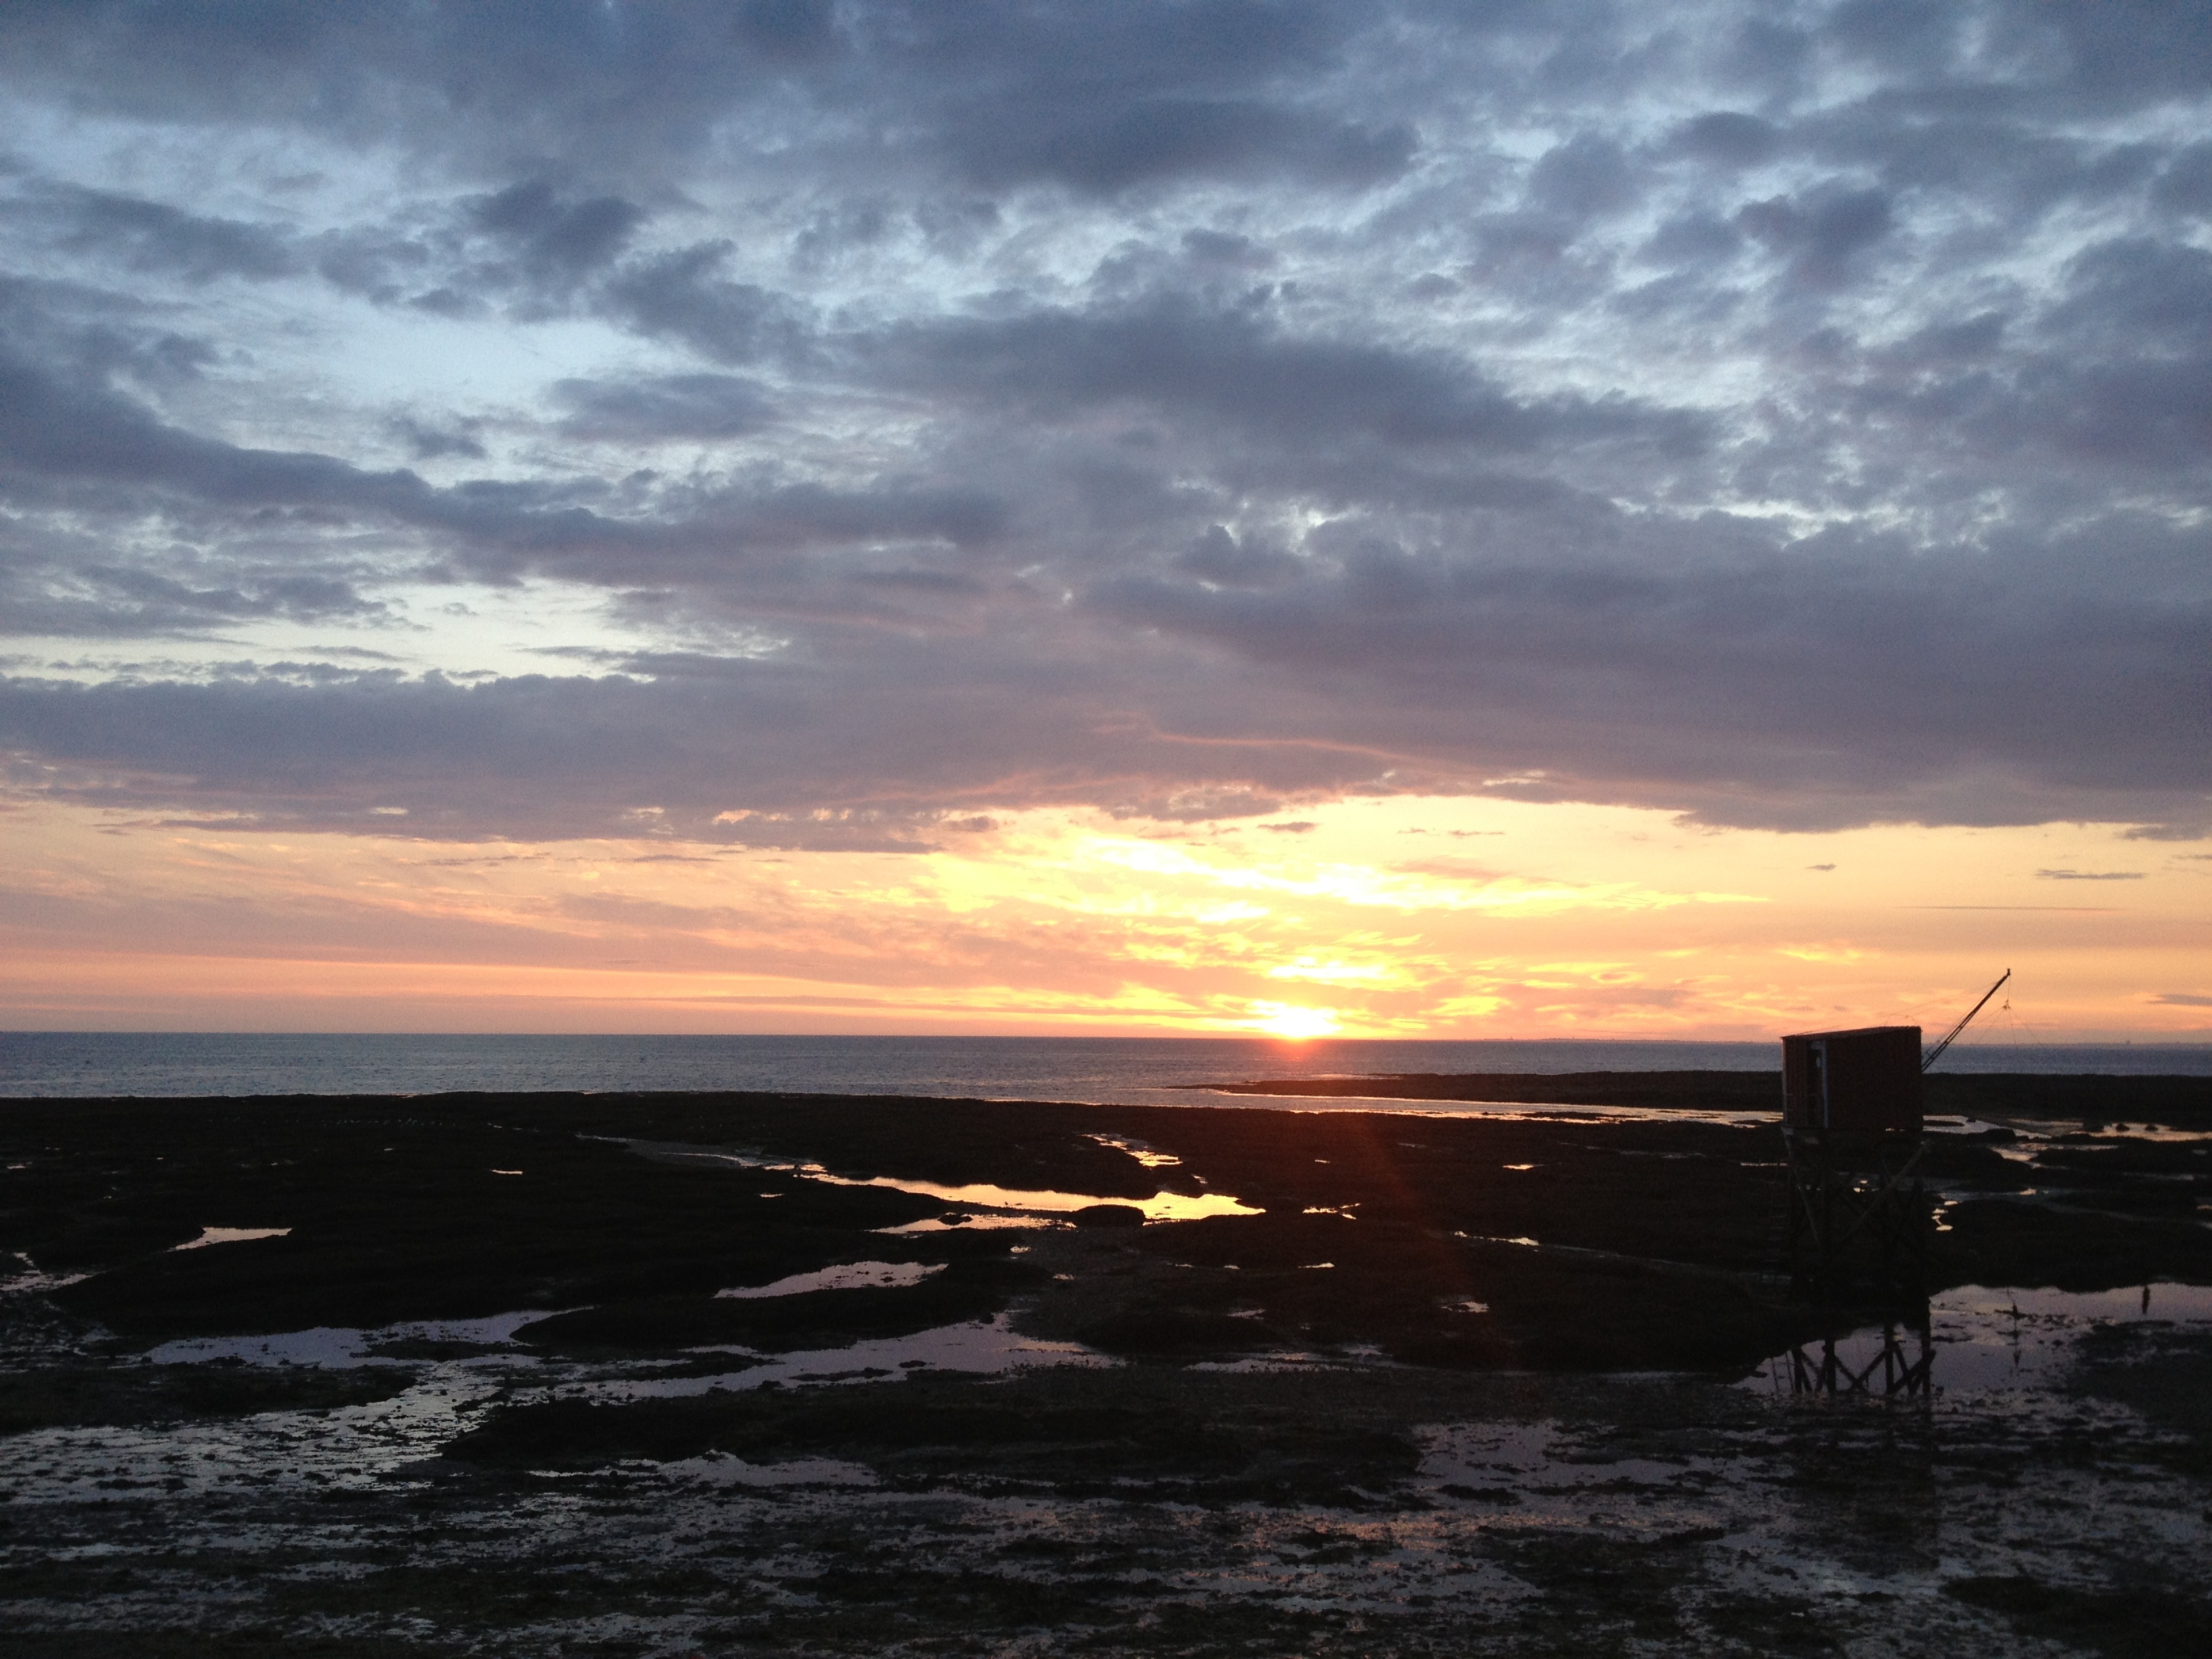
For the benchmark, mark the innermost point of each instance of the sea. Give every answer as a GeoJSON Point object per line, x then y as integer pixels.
{"type": "Point", "coordinates": [1120, 1070]}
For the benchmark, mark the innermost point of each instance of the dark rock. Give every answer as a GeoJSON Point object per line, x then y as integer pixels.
{"type": "Point", "coordinates": [1109, 1215]}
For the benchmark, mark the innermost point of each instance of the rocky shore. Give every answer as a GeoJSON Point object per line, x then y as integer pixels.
{"type": "Point", "coordinates": [671, 1373]}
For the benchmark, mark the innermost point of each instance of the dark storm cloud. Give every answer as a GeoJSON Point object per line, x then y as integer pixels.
{"type": "Point", "coordinates": [1794, 415]}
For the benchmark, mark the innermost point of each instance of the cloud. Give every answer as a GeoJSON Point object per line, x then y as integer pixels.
{"type": "Point", "coordinates": [769, 753]}
{"type": "Point", "coordinates": [1187, 361]}
{"type": "Point", "coordinates": [664, 406]}
{"type": "Point", "coordinates": [553, 238]}
{"type": "Point", "coordinates": [2184, 183]}
{"type": "Point", "coordinates": [1194, 408]}
{"type": "Point", "coordinates": [153, 236]}
{"type": "Point", "coordinates": [1747, 683]}
{"type": "Point", "coordinates": [682, 296]}
{"type": "Point", "coordinates": [1726, 138]}
{"type": "Point", "coordinates": [432, 443]}
{"type": "Point", "coordinates": [1583, 179]}
{"type": "Point", "coordinates": [1166, 138]}
{"type": "Point", "coordinates": [1218, 556]}
{"type": "Point", "coordinates": [117, 601]}
{"type": "Point", "coordinates": [2089, 875]}
{"type": "Point", "coordinates": [1819, 232]}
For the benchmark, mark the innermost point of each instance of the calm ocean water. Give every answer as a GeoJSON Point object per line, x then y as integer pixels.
{"type": "Point", "coordinates": [1135, 1070]}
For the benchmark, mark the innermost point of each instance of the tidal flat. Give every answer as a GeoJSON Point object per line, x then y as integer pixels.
{"type": "Point", "coordinates": [675, 1374]}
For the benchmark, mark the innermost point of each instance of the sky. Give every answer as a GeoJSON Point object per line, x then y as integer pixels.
{"type": "Point", "coordinates": [1183, 516]}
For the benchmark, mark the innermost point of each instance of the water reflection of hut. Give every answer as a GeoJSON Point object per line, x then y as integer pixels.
{"type": "Point", "coordinates": [1872, 1365]}
{"type": "Point", "coordinates": [1859, 1216]}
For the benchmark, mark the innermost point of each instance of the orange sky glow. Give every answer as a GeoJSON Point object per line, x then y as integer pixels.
{"type": "Point", "coordinates": [1390, 917]}
{"type": "Point", "coordinates": [1177, 517]}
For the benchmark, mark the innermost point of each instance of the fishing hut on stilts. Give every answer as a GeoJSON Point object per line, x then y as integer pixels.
{"type": "Point", "coordinates": [1851, 1126]}
{"type": "Point", "coordinates": [1860, 1222]}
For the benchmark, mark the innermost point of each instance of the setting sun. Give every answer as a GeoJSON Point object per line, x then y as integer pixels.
{"type": "Point", "coordinates": [1282, 1020]}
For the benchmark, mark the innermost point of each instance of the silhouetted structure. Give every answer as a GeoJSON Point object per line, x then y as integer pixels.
{"type": "Point", "coordinates": [1866, 1080]}
{"type": "Point", "coordinates": [1859, 1217]}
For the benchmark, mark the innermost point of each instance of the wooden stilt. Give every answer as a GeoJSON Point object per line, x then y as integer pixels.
{"type": "Point", "coordinates": [1860, 1220]}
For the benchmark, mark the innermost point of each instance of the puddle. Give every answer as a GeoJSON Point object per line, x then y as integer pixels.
{"type": "Point", "coordinates": [848, 1276]}
{"type": "Point", "coordinates": [2046, 1130]}
{"type": "Point", "coordinates": [364, 1447]}
{"type": "Point", "coordinates": [232, 1236]}
{"type": "Point", "coordinates": [332, 1346]}
{"type": "Point", "coordinates": [494, 1329]}
{"type": "Point", "coordinates": [34, 1281]}
{"type": "Point", "coordinates": [1966, 1126]}
{"type": "Point", "coordinates": [989, 1347]}
{"type": "Point", "coordinates": [720, 1469]}
{"type": "Point", "coordinates": [338, 1347]}
{"type": "Point", "coordinates": [1151, 1157]}
{"type": "Point", "coordinates": [1280, 1360]}
{"type": "Point", "coordinates": [2158, 1300]}
{"type": "Point", "coordinates": [1981, 1339]}
{"type": "Point", "coordinates": [969, 1223]}
{"type": "Point", "coordinates": [980, 1195]}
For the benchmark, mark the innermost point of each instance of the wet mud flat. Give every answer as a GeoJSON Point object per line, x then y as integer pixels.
{"type": "Point", "coordinates": [684, 1374]}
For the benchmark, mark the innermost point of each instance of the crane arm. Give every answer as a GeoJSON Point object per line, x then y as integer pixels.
{"type": "Point", "coordinates": [1952, 1036]}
